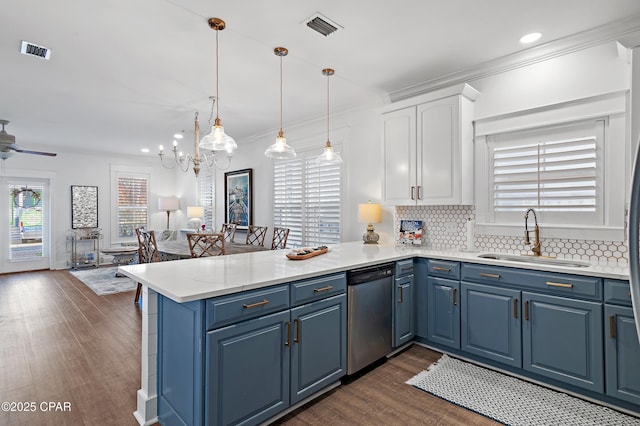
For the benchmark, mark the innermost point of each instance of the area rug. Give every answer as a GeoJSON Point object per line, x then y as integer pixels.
{"type": "Point", "coordinates": [104, 281]}
{"type": "Point", "coordinates": [510, 400]}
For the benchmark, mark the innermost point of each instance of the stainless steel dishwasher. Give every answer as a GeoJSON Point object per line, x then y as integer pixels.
{"type": "Point", "coordinates": [369, 296]}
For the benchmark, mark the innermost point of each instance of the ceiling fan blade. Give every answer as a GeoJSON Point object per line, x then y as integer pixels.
{"type": "Point", "coordinates": [17, 148]}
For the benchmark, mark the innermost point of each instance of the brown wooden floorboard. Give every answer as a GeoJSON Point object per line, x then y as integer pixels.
{"type": "Point", "coordinates": [61, 342]}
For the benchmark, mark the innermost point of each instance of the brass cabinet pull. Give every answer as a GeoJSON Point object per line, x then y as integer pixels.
{"type": "Point", "coordinates": [320, 290]}
{"type": "Point", "coordinates": [410, 268]}
{"type": "Point", "coordinates": [455, 296]}
{"type": "Point", "coordinates": [629, 294]}
{"type": "Point", "coordinates": [288, 341]}
{"type": "Point", "coordinates": [484, 274]}
{"type": "Point", "coordinates": [526, 310]}
{"type": "Point", "coordinates": [255, 305]}
{"type": "Point", "coordinates": [298, 326]}
{"type": "Point", "coordinates": [612, 326]}
{"type": "Point", "coordinates": [552, 284]}
{"type": "Point", "coordinates": [413, 188]}
{"type": "Point", "coordinates": [401, 294]}
{"type": "Point", "coordinates": [438, 268]}
{"type": "Point", "coordinates": [515, 308]}
{"type": "Point", "coordinates": [419, 192]}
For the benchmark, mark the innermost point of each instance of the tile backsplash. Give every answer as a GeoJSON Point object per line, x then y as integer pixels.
{"type": "Point", "coordinates": [445, 227]}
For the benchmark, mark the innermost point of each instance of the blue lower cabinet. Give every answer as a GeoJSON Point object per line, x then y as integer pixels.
{"type": "Point", "coordinates": [562, 340]}
{"type": "Point", "coordinates": [443, 323]}
{"type": "Point", "coordinates": [318, 348]}
{"type": "Point", "coordinates": [420, 293]}
{"type": "Point", "coordinates": [622, 354]}
{"type": "Point", "coordinates": [403, 311]}
{"type": "Point", "coordinates": [490, 323]}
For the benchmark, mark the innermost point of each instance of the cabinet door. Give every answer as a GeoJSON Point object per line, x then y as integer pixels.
{"type": "Point", "coordinates": [622, 354]}
{"type": "Point", "coordinates": [421, 295]}
{"type": "Point", "coordinates": [399, 142]}
{"type": "Point", "coordinates": [443, 322]}
{"type": "Point", "coordinates": [490, 323]}
{"type": "Point", "coordinates": [562, 339]}
{"type": "Point", "coordinates": [404, 311]}
{"type": "Point", "coordinates": [247, 370]}
{"type": "Point", "coordinates": [319, 346]}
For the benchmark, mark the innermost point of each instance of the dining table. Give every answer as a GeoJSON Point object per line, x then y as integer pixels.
{"type": "Point", "coordinates": [179, 249]}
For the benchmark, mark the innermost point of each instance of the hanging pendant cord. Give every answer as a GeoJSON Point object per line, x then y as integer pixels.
{"type": "Point", "coordinates": [327, 108]}
{"type": "Point", "coordinates": [217, 77]}
{"type": "Point", "coordinates": [280, 93]}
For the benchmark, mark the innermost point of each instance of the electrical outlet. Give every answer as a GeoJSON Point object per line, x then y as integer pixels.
{"type": "Point", "coordinates": [450, 227]}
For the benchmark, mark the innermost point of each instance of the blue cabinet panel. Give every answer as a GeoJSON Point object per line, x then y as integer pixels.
{"type": "Point", "coordinates": [319, 346]}
{"type": "Point", "coordinates": [490, 323]}
{"type": "Point", "coordinates": [617, 292]}
{"type": "Point", "coordinates": [306, 291]}
{"type": "Point", "coordinates": [562, 339]}
{"type": "Point", "coordinates": [443, 269]}
{"type": "Point", "coordinates": [403, 310]}
{"type": "Point", "coordinates": [180, 360]}
{"type": "Point", "coordinates": [404, 267]}
{"type": "Point", "coordinates": [443, 322]}
{"type": "Point", "coordinates": [622, 352]}
{"type": "Point", "coordinates": [421, 289]}
{"type": "Point", "coordinates": [247, 370]}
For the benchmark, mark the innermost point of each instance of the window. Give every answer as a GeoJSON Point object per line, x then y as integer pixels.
{"type": "Point", "coordinates": [206, 198]}
{"type": "Point", "coordinates": [307, 200]}
{"type": "Point", "coordinates": [130, 195]}
{"type": "Point", "coordinates": [555, 170]}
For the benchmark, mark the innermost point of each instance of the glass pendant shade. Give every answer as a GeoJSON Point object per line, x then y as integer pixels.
{"type": "Point", "coordinates": [217, 140]}
{"type": "Point", "coordinates": [280, 150]}
{"type": "Point", "coordinates": [329, 156]}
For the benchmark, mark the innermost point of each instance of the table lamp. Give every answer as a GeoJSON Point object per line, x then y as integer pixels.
{"type": "Point", "coordinates": [195, 215]}
{"type": "Point", "coordinates": [168, 204]}
{"type": "Point", "coordinates": [370, 213]}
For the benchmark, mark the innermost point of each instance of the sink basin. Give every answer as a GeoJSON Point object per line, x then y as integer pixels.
{"type": "Point", "coordinates": [533, 259]}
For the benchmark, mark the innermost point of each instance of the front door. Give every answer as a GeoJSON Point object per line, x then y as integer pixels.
{"type": "Point", "coordinates": [24, 232]}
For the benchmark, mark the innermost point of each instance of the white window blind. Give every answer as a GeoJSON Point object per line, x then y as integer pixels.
{"type": "Point", "coordinates": [307, 200]}
{"type": "Point", "coordinates": [132, 195]}
{"type": "Point", "coordinates": [206, 198]}
{"type": "Point", "coordinates": [555, 171]}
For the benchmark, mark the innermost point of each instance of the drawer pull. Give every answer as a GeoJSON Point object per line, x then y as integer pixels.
{"type": "Point", "coordinates": [484, 274]}
{"type": "Point", "coordinates": [298, 326]}
{"type": "Point", "coordinates": [288, 341]}
{"type": "Point", "coordinates": [612, 326]}
{"type": "Point", "coordinates": [438, 268]}
{"type": "Point", "coordinates": [407, 269]}
{"type": "Point", "coordinates": [526, 310]}
{"type": "Point", "coordinates": [255, 305]}
{"type": "Point", "coordinates": [320, 290]}
{"type": "Point", "coordinates": [564, 285]}
{"type": "Point", "coordinates": [455, 296]}
{"type": "Point", "coordinates": [515, 308]}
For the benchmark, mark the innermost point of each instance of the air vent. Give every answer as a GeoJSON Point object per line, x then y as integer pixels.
{"type": "Point", "coordinates": [34, 50]}
{"type": "Point", "coordinates": [322, 24]}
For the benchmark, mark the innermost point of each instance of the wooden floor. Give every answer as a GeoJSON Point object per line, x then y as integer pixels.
{"type": "Point", "coordinates": [60, 342]}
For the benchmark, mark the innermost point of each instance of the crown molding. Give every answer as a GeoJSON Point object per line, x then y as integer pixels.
{"type": "Point", "coordinates": [626, 31]}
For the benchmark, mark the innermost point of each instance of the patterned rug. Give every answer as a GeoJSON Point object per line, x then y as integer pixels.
{"type": "Point", "coordinates": [510, 400]}
{"type": "Point", "coordinates": [104, 281]}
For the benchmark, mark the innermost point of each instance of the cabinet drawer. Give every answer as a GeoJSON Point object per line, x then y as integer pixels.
{"type": "Point", "coordinates": [404, 267]}
{"type": "Point", "coordinates": [548, 282]}
{"type": "Point", "coordinates": [618, 292]}
{"type": "Point", "coordinates": [317, 288]}
{"type": "Point", "coordinates": [443, 268]}
{"type": "Point", "coordinates": [241, 306]}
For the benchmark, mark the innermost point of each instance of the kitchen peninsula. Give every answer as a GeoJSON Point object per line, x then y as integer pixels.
{"type": "Point", "coordinates": [195, 294]}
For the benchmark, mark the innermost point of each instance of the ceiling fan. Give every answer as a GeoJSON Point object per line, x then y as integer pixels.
{"type": "Point", "coordinates": [8, 145]}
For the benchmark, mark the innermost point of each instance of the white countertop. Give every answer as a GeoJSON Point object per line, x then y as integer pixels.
{"type": "Point", "coordinates": [195, 279]}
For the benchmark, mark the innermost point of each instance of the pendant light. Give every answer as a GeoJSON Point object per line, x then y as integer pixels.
{"type": "Point", "coordinates": [280, 150]}
{"type": "Point", "coordinates": [328, 156]}
{"type": "Point", "coordinates": [217, 140]}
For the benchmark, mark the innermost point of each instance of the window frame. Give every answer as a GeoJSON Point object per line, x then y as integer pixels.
{"type": "Point", "coordinates": [118, 172]}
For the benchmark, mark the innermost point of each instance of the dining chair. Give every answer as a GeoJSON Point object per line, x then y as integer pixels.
{"type": "Point", "coordinates": [203, 245]}
{"type": "Point", "coordinates": [280, 236]}
{"type": "Point", "coordinates": [147, 252]}
{"type": "Point", "coordinates": [256, 234]}
{"type": "Point", "coordinates": [229, 231]}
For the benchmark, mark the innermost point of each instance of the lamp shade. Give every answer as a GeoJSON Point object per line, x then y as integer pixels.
{"type": "Point", "coordinates": [168, 203]}
{"type": "Point", "coordinates": [369, 213]}
{"type": "Point", "coordinates": [195, 212]}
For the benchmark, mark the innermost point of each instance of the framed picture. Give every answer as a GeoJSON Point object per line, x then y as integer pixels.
{"type": "Point", "coordinates": [84, 206]}
{"type": "Point", "coordinates": [238, 203]}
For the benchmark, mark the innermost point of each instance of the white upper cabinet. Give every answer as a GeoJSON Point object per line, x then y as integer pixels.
{"type": "Point", "coordinates": [428, 149]}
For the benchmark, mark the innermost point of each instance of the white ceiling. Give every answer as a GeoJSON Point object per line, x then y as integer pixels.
{"type": "Point", "coordinates": [128, 74]}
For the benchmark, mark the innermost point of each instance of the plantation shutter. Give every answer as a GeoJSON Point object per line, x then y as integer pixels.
{"type": "Point", "coordinates": [322, 206]}
{"type": "Point", "coordinates": [287, 199]}
{"type": "Point", "coordinates": [132, 205]}
{"type": "Point", "coordinates": [206, 198]}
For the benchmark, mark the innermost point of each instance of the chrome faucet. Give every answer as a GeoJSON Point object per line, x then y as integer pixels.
{"type": "Point", "coordinates": [536, 245]}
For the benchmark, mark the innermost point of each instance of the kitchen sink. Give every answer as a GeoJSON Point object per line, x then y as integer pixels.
{"type": "Point", "coordinates": [535, 259]}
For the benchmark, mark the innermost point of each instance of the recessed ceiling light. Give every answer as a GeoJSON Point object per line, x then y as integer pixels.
{"type": "Point", "coordinates": [530, 38]}
{"type": "Point", "coordinates": [178, 136]}
{"type": "Point", "coordinates": [145, 150]}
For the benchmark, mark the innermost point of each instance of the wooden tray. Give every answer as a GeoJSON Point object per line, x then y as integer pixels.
{"type": "Point", "coordinates": [293, 256]}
